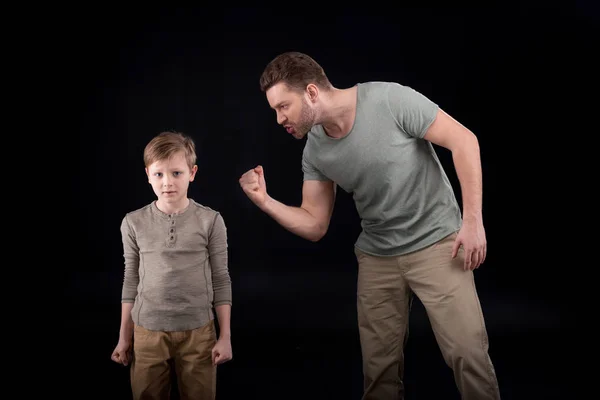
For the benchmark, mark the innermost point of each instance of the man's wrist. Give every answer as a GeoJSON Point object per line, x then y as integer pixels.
{"type": "Point", "coordinates": [266, 205]}
{"type": "Point", "coordinates": [472, 216]}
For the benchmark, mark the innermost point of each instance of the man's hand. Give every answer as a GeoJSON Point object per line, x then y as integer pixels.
{"type": "Point", "coordinates": [222, 351]}
{"type": "Point", "coordinates": [472, 237]}
{"type": "Point", "coordinates": [254, 185]}
{"type": "Point", "coordinates": [122, 353]}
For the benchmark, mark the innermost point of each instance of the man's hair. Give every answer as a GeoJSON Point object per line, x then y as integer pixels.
{"type": "Point", "coordinates": [296, 69]}
{"type": "Point", "coordinates": [166, 144]}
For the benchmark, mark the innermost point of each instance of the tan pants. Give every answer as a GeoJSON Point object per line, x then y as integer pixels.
{"type": "Point", "coordinates": [190, 352]}
{"type": "Point", "coordinates": [385, 287]}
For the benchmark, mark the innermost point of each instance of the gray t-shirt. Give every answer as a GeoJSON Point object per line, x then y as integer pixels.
{"type": "Point", "coordinates": [175, 266]}
{"type": "Point", "coordinates": [402, 194]}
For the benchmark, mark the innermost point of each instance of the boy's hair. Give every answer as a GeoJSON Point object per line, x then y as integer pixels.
{"type": "Point", "coordinates": [166, 144]}
{"type": "Point", "coordinates": [296, 69]}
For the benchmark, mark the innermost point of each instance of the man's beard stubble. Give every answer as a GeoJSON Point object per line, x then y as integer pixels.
{"type": "Point", "coordinates": [307, 119]}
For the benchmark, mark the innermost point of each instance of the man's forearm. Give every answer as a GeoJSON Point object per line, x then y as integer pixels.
{"type": "Point", "coordinates": [467, 163]}
{"type": "Point", "coordinates": [126, 330]}
{"type": "Point", "coordinates": [295, 219]}
{"type": "Point", "coordinates": [224, 317]}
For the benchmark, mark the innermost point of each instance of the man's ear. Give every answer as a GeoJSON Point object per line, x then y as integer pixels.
{"type": "Point", "coordinates": [312, 92]}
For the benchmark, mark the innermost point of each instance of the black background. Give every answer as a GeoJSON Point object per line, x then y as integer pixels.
{"type": "Point", "coordinates": [293, 317]}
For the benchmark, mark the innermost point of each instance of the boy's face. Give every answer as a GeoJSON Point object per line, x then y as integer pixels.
{"type": "Point", "coordinates": [170, 178]}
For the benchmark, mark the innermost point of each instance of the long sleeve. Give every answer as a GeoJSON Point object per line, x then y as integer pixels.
{"type": "Point", "coordinates": [132, 260]}
{"type": "Point", "coordinates": [217, 248]}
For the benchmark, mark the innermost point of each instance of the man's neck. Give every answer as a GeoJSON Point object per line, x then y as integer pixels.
{"type": "Point", "coordinates": [173, 208]}
{"type": "Point", "coordinates": [340, 112]}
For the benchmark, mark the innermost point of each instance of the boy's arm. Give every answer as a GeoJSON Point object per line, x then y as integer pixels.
{"type": "Point", "coordinates": [126, 331]}
{"type": "Point", "coordinates": [224, 317]}
{"type": "Point", "coordinates": [131, 279]}
{"type": "Point", "coordinates": [217, 250]}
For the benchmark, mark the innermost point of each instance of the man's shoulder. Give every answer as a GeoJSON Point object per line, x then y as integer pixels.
{"type": "Point", "coordinates": [375, 87]}
{"type": "Point", "coordinates": [373, 95]}
{"type": "Point", "coordinates": [377, 84]}
{"type": "Point", "coordinates": [384, 89]}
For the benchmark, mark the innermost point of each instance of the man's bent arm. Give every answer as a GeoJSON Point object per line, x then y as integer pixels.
{"type": "Point", "coordinates": [448, 133]}
{"type": "Point", "coordinates": [311, 220]}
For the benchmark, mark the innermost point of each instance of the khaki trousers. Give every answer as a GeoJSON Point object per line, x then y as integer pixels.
{"type": "Point", "coordinates": [191, 354]}
{"type": "Point", "coordinates": [385, 287]}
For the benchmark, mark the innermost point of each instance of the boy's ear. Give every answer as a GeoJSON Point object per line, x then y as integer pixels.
{"type": "Point", "coordinates": [147, 173]}
{"type": "Point", "coordinates": [194, 170]}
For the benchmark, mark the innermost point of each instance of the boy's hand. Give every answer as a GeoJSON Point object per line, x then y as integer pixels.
{"type": "Point", "coordinates": [122, 353]}
{"type": "Point", "coordinates": [222, 351]}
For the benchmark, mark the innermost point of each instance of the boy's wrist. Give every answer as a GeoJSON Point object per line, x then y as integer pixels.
{"type": "Point", "coordinates": [126, 331]}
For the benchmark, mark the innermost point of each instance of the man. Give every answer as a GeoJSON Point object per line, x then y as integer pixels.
{"type": "Point", "coordinates": [374, 140]}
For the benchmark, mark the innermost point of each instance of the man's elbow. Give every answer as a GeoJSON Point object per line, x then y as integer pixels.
{"type": "Point", "coordinates": [318, 233]}
{"type": "Point", "coordinates": [464, 143]}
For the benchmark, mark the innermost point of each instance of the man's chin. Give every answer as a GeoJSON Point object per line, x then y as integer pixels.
{"type": "Point", "coordinates": [299, 135]}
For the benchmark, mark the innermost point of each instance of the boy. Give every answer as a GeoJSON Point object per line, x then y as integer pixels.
{"type": "Point", "coordinates": [176, 271]}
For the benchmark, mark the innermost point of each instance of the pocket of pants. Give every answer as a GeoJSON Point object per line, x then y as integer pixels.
{"type": "Point", "coordinates": [140, 332]}
{"type": "Point", "coordinates": [359, 254]}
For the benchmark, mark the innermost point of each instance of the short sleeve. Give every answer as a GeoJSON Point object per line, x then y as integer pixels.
{"type": "Point", "coordinates": [413, 111]}
{"type": "Point", "coordinates": [311, 173]}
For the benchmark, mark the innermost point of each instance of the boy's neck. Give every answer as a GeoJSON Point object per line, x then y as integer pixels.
{"type": "Point", "coordinates": [173, 208]}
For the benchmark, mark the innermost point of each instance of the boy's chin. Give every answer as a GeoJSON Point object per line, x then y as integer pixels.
{"type": "Point", "coordinates": [169, 199]}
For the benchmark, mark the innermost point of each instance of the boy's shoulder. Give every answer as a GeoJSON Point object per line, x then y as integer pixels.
{"type": "Point", "coordinates": [202, 210]}
{"type": "Point", "coordinates": [142, 212]}
{"type": "Point", "coordinates": [148, 214]}
{"type": "Point", "coordinates": [199, 207]}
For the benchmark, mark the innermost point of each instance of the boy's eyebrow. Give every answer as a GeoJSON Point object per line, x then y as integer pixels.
{"type": "Point", "coordinates": [168, 170]}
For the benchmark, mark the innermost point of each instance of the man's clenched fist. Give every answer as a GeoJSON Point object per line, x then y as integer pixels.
{"type": "Point", "coordinates": [254, 185]}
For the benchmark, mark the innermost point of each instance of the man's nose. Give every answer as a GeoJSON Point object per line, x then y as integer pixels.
{"type": "Point", "coordinates": [280, 119]}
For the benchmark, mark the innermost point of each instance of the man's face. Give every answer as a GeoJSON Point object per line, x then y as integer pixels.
{"type": "Point", "coordinates": [294, 112]}
{"type": "Point", "coordinates": [170, 178]}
